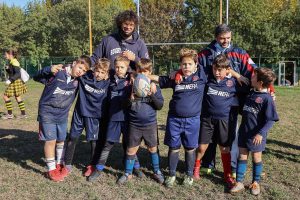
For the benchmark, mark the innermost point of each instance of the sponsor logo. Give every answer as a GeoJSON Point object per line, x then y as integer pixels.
{"type": "Point", "coordinates": [229, 83]}
{"type": "Point", "coordinates": [250, 109]}
{"type": "Point", "coordinates": [217, 92]}
{"type": "Point", "coordinates": [195, 78]}
{"type": "Point", "coordinates": [192, 86]}
{"type": "Point", "coordinates": [93, 90]}
{"type": "Point", "coordinates": [258, 100]}
{"type": "Point", "coordinates": [115, 51]}
{"type": "Point", "coordinates": [63, 92]}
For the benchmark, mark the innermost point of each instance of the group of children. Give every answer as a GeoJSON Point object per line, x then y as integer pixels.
{"type": "Point", "coordinates": [198, 114]}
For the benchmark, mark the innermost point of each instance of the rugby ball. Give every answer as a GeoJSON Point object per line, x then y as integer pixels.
{"type": "Point", "coordinates": [141, 85]}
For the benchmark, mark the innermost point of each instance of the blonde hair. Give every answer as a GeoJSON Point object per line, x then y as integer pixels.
{"type": "Point", "coordinates": [188, 53]}
{"type": "Point", "coordinates": [122, 59]}
{"type": "Point", "coordinates": [144, 64]}
{"type": "Point", "coordinates": [102, 64]}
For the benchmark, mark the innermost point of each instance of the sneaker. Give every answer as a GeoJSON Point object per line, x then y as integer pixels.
{"type": "Point", "coordinates": [238, 187]}
{"type": "Point", "coordinates": [7, 116]}
{"type": "Point", "coordinates": [196, 173]}
{"type": "Point", "coordinates": [255, 188]}
{"type": "Point", "coordinates": [22, 117]}
{"type": "Point", "coordinates": [206, 171]}
{"type": "Point", "coordinates": [138, 173]}
{"type": "Point", "coordinates": [159, 177]}
{"type": "Point", "coordinates": [230, 181]}
{"type": "Point", "coordinates": [64, 172]}
{"type": "Point", "coordinates": [55, 175]}
{"type": "Point", "coordinates": [94, 176]}
{"type": "Point", "coordinates": [89, 170]}
{"type": "Point", "coordinates": [169, 182]}
{"type": "Point", "coordinates": [123, 179]}
{"type": "Point", "coordinates": [188, 180]}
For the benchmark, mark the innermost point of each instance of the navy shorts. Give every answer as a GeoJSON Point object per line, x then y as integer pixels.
{"type": "Point", "coordinates": [214, 130]}
{"type": "Point", "coordinates": [114, 130]}
{"type": "Point", "coordinates": [90, 124]}
{"type": "Point", "coordinates": [183, 131]}
{"type": "Point", "coordinates": [52, 131]}
{"type": "Point", "coordinates": [246, 141]}
{"type": "Point", "coordinates": [147, 133]}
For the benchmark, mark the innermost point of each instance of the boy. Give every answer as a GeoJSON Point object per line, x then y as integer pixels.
{"type": "Point", "coordinates": [217, 102]}
{"type": "Point", "coordinates": [259, 115]}
{"type": "Point", "coordinates": [119, 93]}
{"type": "Point", "coordinates": [58, 95]}
{"type": "Point", "coordinates": [183, 122]}
{"type": "Point", "coordinates": [142, 125]}
{"type": "Point", "coordinates": [90, 108]}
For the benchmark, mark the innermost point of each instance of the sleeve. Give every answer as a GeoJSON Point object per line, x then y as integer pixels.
{"type": "Point", "coordinates": [247, 65]}
{"type": "Point", "coordinates": [43, 75]}
{"type": "Point", "coordinates": [143, 52]}
{"type": "Point", "coordinates": [16, 74]}
{"type": "Point", "coordinates": [98, 53]}
{"type": "Point", "coordinates": [265, 129]}
{"type": "Point", "coordinates": [202, 61]}
{"type": "Point", "coordinates": [165, 82]}
{"type": "Point", "coordinates": [270, 111]}
{"type": "Point", "coordinates": [157, 99]}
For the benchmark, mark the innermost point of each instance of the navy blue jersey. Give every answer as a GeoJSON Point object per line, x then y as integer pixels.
{"type": "Point", "coordinates": [218, 98]}
{"type": "Point", "coordinates": [57, 97]}
{"type": "Point", "coordinates": [142, 111]}
{"type": "Point", "coordinates": [118, 96]}
{"type": "Point", "coordinates": [187, 96]}
{"type": "Point", "coordinates": [258, 110]}
{"type": "Point", "coordinates": [92, 97]}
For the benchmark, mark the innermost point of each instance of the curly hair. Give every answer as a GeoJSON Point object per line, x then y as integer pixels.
{"type": "Point", "coordinates": [190, 53]}
{"type": "Point", "coordinates": [102, 64]}
{"type": "Point", "coordinates": [127, 15]}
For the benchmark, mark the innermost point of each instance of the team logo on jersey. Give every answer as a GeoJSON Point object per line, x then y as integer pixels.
{"type": "Point", "coordinates": [126, 83]}
{"type": "Point", "coordinates": [195, 78]}
{"type": "Point", "coordinates": [192, 86]}
{"type": "Point", "coordinates": [258, 100]}
{"type": "Point", "coordinates": [229, 83]}
{"type": "Point", "coordinates": [115, 51]}
{"type": "Point", "coordinates": [93, 90]}
{"type": "Point", "coordinates": [63, 92]}
{"type": "Point", "coordinates": [217, 92]}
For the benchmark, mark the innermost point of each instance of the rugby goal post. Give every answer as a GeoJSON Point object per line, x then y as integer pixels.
{"type": "Point", "coordinates": [287, 73]}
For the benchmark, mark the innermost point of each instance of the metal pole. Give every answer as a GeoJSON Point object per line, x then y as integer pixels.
{"type": "Point", "coordinates": [227, 11]}
{"type": "Point", "coordinates": [138, 14]}
{"type": "Point", "coordinates": [221, 11]}
{"type": "Point", "coordinates": [90, 28]}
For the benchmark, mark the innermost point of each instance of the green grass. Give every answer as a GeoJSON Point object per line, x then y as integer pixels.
{"type": "Point", "coordinates": [22, 166]}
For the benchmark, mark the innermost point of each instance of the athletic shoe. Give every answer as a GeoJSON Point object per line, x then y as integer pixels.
{"type": "Point", "coordinates": [230, 181]}
{"type": "Point", "coordinates": [89, 170]}
{"type": "Point", "coordinates": [159, 177]}
{"type": "Point", "coordinates": [238, 187]}
{"type": "Point", "coordinates": [22, 117]}
{"type": "Point", "coordinates": [64, 172]}
{"type": "Point", "coordinates": [55, 175]}
{"type": "Point", "coordinates": [138, 173]}
{"type": "Point", "coordinates": [169, 182]}
{"type": "Point", "coordinates": [94, 176]}
{"type": "Point", "coordinates": [255, 188]}
{"type": "Point", "coordinates": [7, 116]}
{"type": "Point", "coordinates": [188, 180]}
{"type": "Point", "coordinates": [205, 170]}
{"type": "Point", "coordinates": [196, 173]}
{"type": "Point", "coordinates": [123, 179]}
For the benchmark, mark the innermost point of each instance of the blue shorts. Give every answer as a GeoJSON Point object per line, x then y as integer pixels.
{"type": "Point", "coordinates": [90, 124]}
{"type": "Point", "coordinates": [183, 131]}
{"type": "Point", "coordinates": [246, 141]}
{"type": "Point", "coordinates": [52, 131]}
{"type": "Point", "coordinates": [114, 131]}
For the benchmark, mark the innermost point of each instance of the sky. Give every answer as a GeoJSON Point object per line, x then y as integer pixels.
{"type": "Point", "coordinates": [20, 3]}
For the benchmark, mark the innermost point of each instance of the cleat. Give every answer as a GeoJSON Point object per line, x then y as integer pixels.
{"type": "Point", "coordinates": [169, 182]}
{"type": "Point", "coordinates": [196, 173]}
{"type": "Point", "coordinates": [94, 176]}
{"type": "Point", "coordinates": [159, 177]}
{"type": "Point", "coordinates": [188, 180]}
{"type": "Point", "coordinates": [123, 179]}
{"type": "Point", "coordinates": [55, 175]}
{"type": "Point", "coordinates": [238, 187]}
{"type": "Point", "coordinates": [7, 116]}
{"type": "Point", "coordinates": [255, 188]}
{"type": "Point", "coordinates": [64, 172]}
{"type": "Point", "coordinates": [89, 170]}
{"type": "Point", "coordinates": [138, 173]}
{"type": "Point", "coordinates": [230, 181]}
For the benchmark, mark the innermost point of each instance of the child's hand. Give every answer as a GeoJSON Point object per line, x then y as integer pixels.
{"type": "Point", "coordinates": [129, 54]}
{"type": "Point", "coordinates": [241, 79]}
{"type": "Point", "coordinates": [257, 139]}
{"type": "Point", "coordinates": [153, 89]}
{"type": "Point", "coordinates": [56, 68]}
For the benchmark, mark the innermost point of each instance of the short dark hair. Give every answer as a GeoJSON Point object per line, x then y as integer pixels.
{"type": "Point", "coordinates": [144, 64]}
{"type": "Point", "coordinates": [127, 15]}
{"type": "Point", "coordinates": [221, 61]}
{"type": "Point", "coordinates": [266, 75]}
{"type": "Point", "coordinates": [102, 64]}
{"type": "Point", "coordinates": [85, 60]}
{"type": "Point", "coordinates": [222, 28]}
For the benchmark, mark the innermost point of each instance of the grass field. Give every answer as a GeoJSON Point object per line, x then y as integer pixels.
{"type": "Point", "coordinates": [22, 166]}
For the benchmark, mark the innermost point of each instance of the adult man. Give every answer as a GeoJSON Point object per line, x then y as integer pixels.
{"type": "Point", "coordinates": [242, 68]}
{"type": "Point", "coordinates": [125, 41]}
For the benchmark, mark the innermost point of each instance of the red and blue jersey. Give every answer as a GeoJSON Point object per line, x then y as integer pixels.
{"type": "Point", "coordinates": [57, 97]}
{"type": "Point", "coordinates": [188, 95]}
{"type": "Point", "coordinates": [218, 98]}
{"type": "Point", "coordinates": [92, 96]}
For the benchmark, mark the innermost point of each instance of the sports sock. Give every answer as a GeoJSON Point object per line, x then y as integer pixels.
{"type": "Point", "coordinates": [99, 167]}
{"type": "Point", "coordinates": [22, 107]}
{"type": "Point", "coordinates": [189, 161]}
{"type": "Point", "coordinates": [241, 170]}
{"type": "Point", "coordinates": [226, 160]}
{"type": "Point", "coordinates": [105, 153]}
{"type": "Point", "coordinates": [136, 163]}
{"type": "Point", "coordinates": [173, 156]}
{"type": "Point", "coordinates": [129, 163]}
{"type": "Point", "coordinates": [59, 153]}
{"type": "Point", "coordinates": [197, 163]}
{"type": "Point", "coordinates": [70, 150]}
{"type": "Point", "coordinates": [155, 162]}
{"type": "Point", "coordinates": [8, 105]}
{"type": "Point", "coordinates": [257, 169]}
{"type": "Point", "coordinates": [50, 162]}
{"type": "Point", "coordinates": [93, 149]}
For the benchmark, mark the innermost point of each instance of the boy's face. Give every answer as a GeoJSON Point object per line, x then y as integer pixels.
{"type": "Point", "coordinates": [254, 83]}
{"type": "Point", "coordinates": [188, 66]}
{"type": "Point", "coordinates": [78, 70]}
{"type": "Point", "coordinates": [224, 39]}
{"type": "Point", "coordinates": [100, 74]}
{"type": "Point", "coordinates": [220, 73]}
{"type": "Point", "coordinates": [128, 28]}
{"type": "Point", "coordinates": [7, 56]}
{"type": "Point", "coordinates": [121, 68]}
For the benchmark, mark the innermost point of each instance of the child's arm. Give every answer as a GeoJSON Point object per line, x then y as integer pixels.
{"type": "Point", "coordinates": [163, 81]}
{"type": "Point", "coordinates": [46, 73]}
{"type": "Point", "coordinates": [241, 79]}
{"type": "Point", "coordinates": [262, 133]}
{"type": "Point", "coordinates": [157, 99]}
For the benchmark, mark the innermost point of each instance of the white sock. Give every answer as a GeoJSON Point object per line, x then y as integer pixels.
{"type": "Point", "coordinates": [50, 164]}
{"type": "Point", "coordinates": [60, 153]}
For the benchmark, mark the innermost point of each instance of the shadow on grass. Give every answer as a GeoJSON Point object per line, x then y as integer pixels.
{"type": "Point", "coordinates": [283, 155]}
{"type": "Point", "coordinates": [283, 144]}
